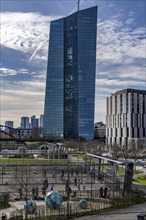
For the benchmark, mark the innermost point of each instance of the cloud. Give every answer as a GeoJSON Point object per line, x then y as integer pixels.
{"type": "Point", "coordinates": [117, 83]}
{"type": "Point", "coordinates": [11, 72]}
{"type": "Point", "coordinates": [21, 98]}
{"type": "Point", "coordinates": [19, 36]}
{"type": "Point", "coordinates": [7, 72]}
{"type": "Point", "coordinates": [117, 44]}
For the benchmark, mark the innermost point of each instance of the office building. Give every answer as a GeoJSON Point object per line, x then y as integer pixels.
{"type": "Point", "coordinates": [24, 122]}
{"type": "Point", "coordinates": [23, 133]}
{"type": "Point", "coordinates": [70, 83]}
{"type": "Point", "coordinates": [9, 124]}
{"type": "Point", "coordinates": [126, 118]}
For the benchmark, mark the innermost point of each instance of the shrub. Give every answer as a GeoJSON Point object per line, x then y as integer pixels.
{"type": "Point", "coordinates": [4, 200]}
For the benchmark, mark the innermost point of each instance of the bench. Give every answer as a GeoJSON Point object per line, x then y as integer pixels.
{"type": "Point", "coordinates": [141, 216]}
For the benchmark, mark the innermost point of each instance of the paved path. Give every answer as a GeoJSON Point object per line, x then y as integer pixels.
{"type": "Point", "coordinates": [16, 206]}
{"type": "Point", "coordinates": [129, 213]}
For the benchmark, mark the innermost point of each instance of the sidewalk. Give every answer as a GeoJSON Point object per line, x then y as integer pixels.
{"type": "Point", "coordinates": [17, 206]}
{"type": "Point", "coordinates": [129, 213]}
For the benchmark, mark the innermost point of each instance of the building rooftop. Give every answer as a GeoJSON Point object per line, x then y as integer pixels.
{"type": "Point", "coordinates": [130, 91]}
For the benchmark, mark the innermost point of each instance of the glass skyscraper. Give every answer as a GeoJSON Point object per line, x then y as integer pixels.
{"type": "Point", "coordinates": [70, 83]}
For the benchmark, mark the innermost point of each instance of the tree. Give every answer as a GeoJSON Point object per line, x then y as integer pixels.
{"type": "Point", "coordinates": [4, 200]}
{"type": "Point", "coordinates": [116, 149]}
{"type": "Point", "coordinates": [125, 152]}
{"type": "Point", "coordinates": [134, 151]}
{"type": "Point", "coordinates": [22, 183]}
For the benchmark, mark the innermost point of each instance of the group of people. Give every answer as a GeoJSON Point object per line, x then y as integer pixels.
{"type": "Point", "coordinates": [77, 182]}
{"type": "Point", "coordinates": [103, 192]}
{"type": "Point", "coordinates": [4, 216]}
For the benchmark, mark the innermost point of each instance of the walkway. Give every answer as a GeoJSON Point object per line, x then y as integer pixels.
{"type": "Point", "coordinates": [129, 213]}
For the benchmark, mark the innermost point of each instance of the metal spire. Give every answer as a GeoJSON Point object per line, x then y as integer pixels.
{"type": "Point", "coordinates": [78, 5]}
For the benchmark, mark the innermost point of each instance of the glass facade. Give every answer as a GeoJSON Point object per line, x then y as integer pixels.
{"type": "Point", "coordinates": [70, 84]}
{"type": "Point", "coordinates": [54, 98]}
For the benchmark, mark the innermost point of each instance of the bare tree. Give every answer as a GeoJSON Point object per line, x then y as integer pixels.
{"type": "Point", "coordinates": [22, 184]}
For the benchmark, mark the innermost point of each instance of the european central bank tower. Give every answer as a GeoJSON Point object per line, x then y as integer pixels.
{"type": "Point", "coordinates": [70, 82]}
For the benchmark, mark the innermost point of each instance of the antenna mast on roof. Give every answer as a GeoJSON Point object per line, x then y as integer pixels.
{"type": "Point", "coordinates": [78, 5]}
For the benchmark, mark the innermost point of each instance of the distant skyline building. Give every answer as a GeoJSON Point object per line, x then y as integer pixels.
{"type": "Point", "coordinates": [126, 118]}
{"type": "Point", "coordinates": [70, 82]}
{"type": "Point", "coordinates": [34, 122]}
{"type": "Point", "coordinates": [24, 122]}
{"type": "Point", "coordinates": [9, 124]}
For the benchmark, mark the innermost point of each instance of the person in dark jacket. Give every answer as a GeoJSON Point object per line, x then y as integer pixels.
{"type": "Point", "coordinates": [101, 192]}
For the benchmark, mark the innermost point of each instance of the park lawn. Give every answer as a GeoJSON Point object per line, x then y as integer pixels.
{"type": "Point", "coordinates": [82, 156]}
{"type": "Point", "coordinates": [30, 161]}
{"type": "Point", "coordinates": [35, 142]}
{"type": "Point", "coordinates": [141, 180]}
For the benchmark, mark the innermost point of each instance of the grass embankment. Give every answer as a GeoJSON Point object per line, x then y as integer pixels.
{"type": "Point", "coordinates": [121, 171]}
{"type": "Point", "coordinates": [30, 161]}
{"type": "Point", "coordinates": [141, 180]}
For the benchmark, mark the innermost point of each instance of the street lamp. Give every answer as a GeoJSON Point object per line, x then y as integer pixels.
{"type": "Point", "coordinates": [91, 171]}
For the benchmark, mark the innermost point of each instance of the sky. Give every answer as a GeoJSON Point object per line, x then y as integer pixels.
{"type": "Point", "coordinates": [120, 59]}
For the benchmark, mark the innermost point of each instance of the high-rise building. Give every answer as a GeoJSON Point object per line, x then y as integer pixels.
{"type": "Point", "coordinates": [34, 122]}
{"type": "Point", "coordinates": [70, 83]}
{"type": "Point", "coordinates": [126, 118]}
{"type": "Point", "coordinates": [24, 122]}
{"type": "Point", "coordinates": [9, 124]}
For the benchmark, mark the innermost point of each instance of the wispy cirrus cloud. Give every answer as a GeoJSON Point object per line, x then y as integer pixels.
{"type": "Point", "coordinates": [26, 38]}
{"type": "Point", "coordinates": [118, 43]}
{"type": "Point", "coordinates": [12, 72]}
{"type": "Point", "coordinates": [7, 72]}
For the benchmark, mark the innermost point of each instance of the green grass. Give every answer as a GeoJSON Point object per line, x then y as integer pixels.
{"type": "Point", "coordinates": [32, 143]}
{"type": "Point", "coordinates": [83, 156]}
{"type": "Point", "coordinates": [141, 180]}
{"type": "Point", "coordinates": [30, 161]}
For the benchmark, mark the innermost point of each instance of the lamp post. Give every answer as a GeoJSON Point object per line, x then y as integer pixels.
{"type": "Point", "coordinates": [91, 171]}
{"type": "Point", "coordinates": [68, 191]}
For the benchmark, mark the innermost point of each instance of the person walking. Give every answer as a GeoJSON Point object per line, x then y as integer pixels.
{"type": "Point", "coordinates": [105, 192]}
{"type": "Point", "coordinates": [62, 175]}
{"type": "Point", "coordinates": [79, 184]}
{"type": "Point", "coordinates": [45, 183]}
{"type": "Point", "coordinates": [37, 192]}
{"type": "Point", "coordinates": [75, 181]}
{"type": "Point", "coordinates": [33, 192]}
{"type": "Point", "coordinates": [52, 187]}
{"type": "Point", "coordinates": [84, 184]}
{"type": "Point", "coordinates": [101, 192]}
{"type": "Point", "coordinates": [20, 192]}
